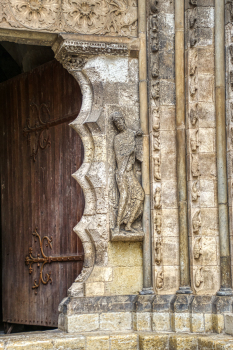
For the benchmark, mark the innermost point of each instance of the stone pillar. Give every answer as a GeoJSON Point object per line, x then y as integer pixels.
{"type": "Point", "coordinates": [224, 234]}
{"type": "Point", "coordinates": [181, 149]}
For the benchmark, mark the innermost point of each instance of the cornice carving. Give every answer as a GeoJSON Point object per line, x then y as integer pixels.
{"type": "Point", "coordinates": [111, 17]}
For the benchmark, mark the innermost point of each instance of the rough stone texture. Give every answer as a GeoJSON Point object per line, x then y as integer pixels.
{"type": "Point", "coordinates": [82, 323]}
{"type": "Point", "coordinates": [229, 324]}
{"type": "Point", "coordinates": [116, 321]}
{"type": "Point", "coordinates": [28, 345]}
{"type": "Point", "coordinates": [97, 343]}
{"type": "Point", "coordinates": [149, 342]}
{"type": "Point", "coordinates": [122, 342]}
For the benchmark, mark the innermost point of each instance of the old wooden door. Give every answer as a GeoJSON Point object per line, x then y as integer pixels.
{"type": "Point", "coordinates": [39, 152]}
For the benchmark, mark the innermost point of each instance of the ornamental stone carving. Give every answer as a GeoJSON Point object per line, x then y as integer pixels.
{"type": "Point", "coordinates": [131, 194]}
{"type": "Point", "coordinates": [117, 17]}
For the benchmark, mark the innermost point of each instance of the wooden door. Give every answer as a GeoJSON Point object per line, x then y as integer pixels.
{"type": "Point", "coordinates": [39, 152]}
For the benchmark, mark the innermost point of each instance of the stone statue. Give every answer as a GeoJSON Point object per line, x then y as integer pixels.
{"type": "Point", "coordinates": [130, 205]}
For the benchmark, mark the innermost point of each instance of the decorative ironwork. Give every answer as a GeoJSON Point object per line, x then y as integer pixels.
{"type": "Point", "coordinates": [41, 260]}
{"type": "Point", "coordinates": [40, 128]}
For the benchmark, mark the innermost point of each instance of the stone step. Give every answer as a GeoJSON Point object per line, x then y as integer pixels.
{"type": "Point", "coordinates": [57, 340]}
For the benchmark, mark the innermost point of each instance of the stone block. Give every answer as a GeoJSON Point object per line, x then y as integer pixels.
{"type": "Point", "coordinates": [206, 343]}
{"type": "Point", "coordinates": [208, 323]}
{"type": "Point", "coordinates": [168, 120]}
{"type": "Point", "coordinates": [224, 344]}
{"type": "Point", "coordinates": [205, 61]}
{"type": "Point", "coordinates": [218, 323]}
{"type": "Point", "coordinates": [170, 252]}
{"type": "Point", "coordinates": [94, 289]}
{"type": "Point", "coordinates": [142, 321]}
{"type": "Point", "coordinates": [126, 280]}
{"type": "Point", "coordinates": [101, 274]}
{"type": "Point", "coordinates": [116, 321]}
{"type": "Point", "coordinates": [181, 322]}
{"type": "Point", "coordinates": [167, 93]}
{"type": "Point", "coordinates": [170, 223]}
{"type": "Point", "coordinates": [125, 254]}
{"type": "Point", "coordinates": [151, 342]}
{"type": "Point", "coordinates": [206, 88]}
{"type": "Point", "coordinates": [229, 324]}
{"type": "Point", "coordinates": [30, 345]}
{"type": "Point", "coordinates": [97, 343]}
{"type": "Point", "coordinates": [177, 342]}
{"type": "Point", "coordinates": [206, 140]}
{"type": "Point", "coordinates": [82, 323]}
{"type": "Point", "coordinates": [123, 342]}
{"type": "Point", "coordinates": [74, 343]}
{"type": "Point", "coordinates": [197, 323]}
{"type": "Point", "coordinates": [205, 17]}
{"type": "Point", "coordinates": [161, 322]}
{"type": "Point", "coordinates": [169, 194]}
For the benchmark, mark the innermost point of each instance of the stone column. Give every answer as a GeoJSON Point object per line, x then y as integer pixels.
{"type": "Point", "coordinates": [224, 234]}
{"type": "Point", "coordinates": [147, 253]}
{"type": "Point", "coordinates": [181, 149]}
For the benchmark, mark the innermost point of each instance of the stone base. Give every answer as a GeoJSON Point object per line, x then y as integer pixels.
{"type": "Point", "coordinates": [157, 313]}
{"type": "Point", "coordinates": [122, 235]}
{"type": "Point", "coordinates": [57, 340]}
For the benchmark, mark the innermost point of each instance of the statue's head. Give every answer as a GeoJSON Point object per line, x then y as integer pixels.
{"type": "Point", "coordinates": [118, 121]}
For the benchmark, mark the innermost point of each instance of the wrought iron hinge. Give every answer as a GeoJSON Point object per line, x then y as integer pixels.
{"type": "Point", "coordinates": [42, 259]}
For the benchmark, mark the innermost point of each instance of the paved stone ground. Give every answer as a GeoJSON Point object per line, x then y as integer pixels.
{"type": "Point", "coordinates": [56, 340]}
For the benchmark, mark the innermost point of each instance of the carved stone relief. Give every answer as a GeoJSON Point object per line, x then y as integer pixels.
{"type": "Point", "coordinates": [194, 140]}
{"type": "Point", "coordinates": [157, 173]}
{"type": "Point", "coordinates": [156, 119]}
{"type": "Point", "coordinates": [131, 194]}
{"type": "Point", "coordinates": [156, 141]}
{"type": "Point", "coordinates": [197, 249]}
{"type": "Point", "coordinates": [196, 222]}
{"type": "Point", "coordinates": [195, 165]}
{"type": "Point", "coordinates": [157, 198]}
{"type": "Point", "coordinates": [155, 90]}
{"type": "Point", "coordinates": [195, 191]}
{"type": "Point", "coordinates": [158, 251]}
{"type": "Point", "coordinates": [160, 280]}
{"type": "Point", "coordinates": [79, 16]}
{"type": "Point", "coordinates": [194, 115]}
{"type": "Point", "coordinates": [158, 222]}
{"type": "Point", "coordinates": [199, 279]}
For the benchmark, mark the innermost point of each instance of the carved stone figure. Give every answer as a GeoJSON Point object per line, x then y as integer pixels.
{"type": "Point", "coordinates": [154, 23]}
{"type": "Point", "coordinates": [155, 70]}
{"type": "Point", "coordinates": [156, 141]}
{"type": "Point", "coordinates": [193, 63]}
{"type": "Point", "coordinates": [157, 198]}
{"type": "Point", "coordinates": [154, 6]}
{"type": "Point", "coordinates": [193, 141]}
{"type": "Point", "coordinates": [197, 249]}
{"type": "Point", "coordinates": [156, 118]}
{"type": "Point", "coordinates": [158, 222]}
{"type": "Point", "coordinates": [199, 279]}
{"type": "Point", "coordinates": [193, 39]}
{"type": "Point", "coordinates": [130, 205]}
{"type": "Point", "coordinates": [193, 2]}
{"type": "Point", "coordinates": [193, 115]}
{"type": "Point", "coordinates": [196, 222]}
{"type": "Point", "coordinates": [160, 280]}
{"type": "Point", "coordinates": [192, 19]}
{"type": "Point", "coordinates": [155, 90]}
{"type": "Point", "coordinates": [155, 43]}
{"type": "Point", "coordinates": [195, 191]}
{"type": "Point", "coordinates": [193, 85]}
{"type": "Point", "coordinates": [157, 174]}
{"type": "Point", "coordinates": [158, 251]}
{"type": "Point", "coordinates": [195, 165]}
